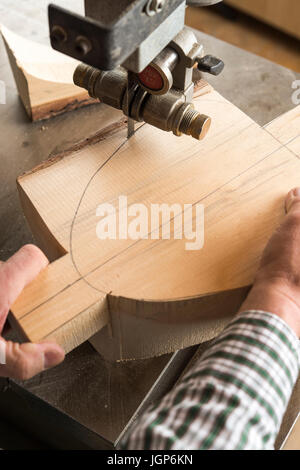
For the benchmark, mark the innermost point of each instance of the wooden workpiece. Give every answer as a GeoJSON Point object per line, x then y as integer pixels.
{"type": "Point", "coordinates": [153, 295]}
{"type": "Point", "coordinates": [44, 77]}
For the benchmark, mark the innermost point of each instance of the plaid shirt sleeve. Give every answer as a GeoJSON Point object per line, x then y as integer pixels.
{"type": "Point", "coordinates": [234, 397]}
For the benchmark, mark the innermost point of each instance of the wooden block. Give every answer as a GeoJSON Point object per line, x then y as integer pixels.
{"type": "Point", "coordinates": [154, 295]}
{"type": "Point", "coordinates": [44, 78]}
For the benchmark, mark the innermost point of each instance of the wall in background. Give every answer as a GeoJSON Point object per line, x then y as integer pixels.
{"type": "Point", "coordinates": [247, 33]}
{"type": "Point", "coordinates": [284, 14]}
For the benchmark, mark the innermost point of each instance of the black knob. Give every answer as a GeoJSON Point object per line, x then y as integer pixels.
{"type": "Point", "coordinates": [211, 64]}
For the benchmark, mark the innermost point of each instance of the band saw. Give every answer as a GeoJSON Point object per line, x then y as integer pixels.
{"type": "Point", "coordinates": [138, 57]}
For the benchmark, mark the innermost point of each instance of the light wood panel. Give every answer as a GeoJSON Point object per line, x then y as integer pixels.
{"type": "Point", "coordinates": [284, 14]}
{"type": "Point", "coordinates": [44, 78]}
{"type": "Point", "coordinates": [155, 296]}
{"type": "Point", "coordinates": [249, 34]}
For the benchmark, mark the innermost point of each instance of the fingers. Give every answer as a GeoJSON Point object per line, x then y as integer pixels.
{"type": "Point", "coordinates": [24, 361]}
{"type": "Point", "coordinates": [292, 202]}
{"type": "Point", "coordinates": [16, 273]}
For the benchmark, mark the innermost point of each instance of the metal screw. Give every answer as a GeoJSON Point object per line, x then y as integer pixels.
{"type": "Point", "coordinates": [200, 126]}
{"type": "Point", "coordinates": [87, 77]}
{"type": "Point", "coordinates": [154, 6]}
{"type": "Point", "coordinates": [190, 122]}
{"type": "Point", "coordinates": [58, 35]}
{"type": "Point", "coordinates": [83, 45]}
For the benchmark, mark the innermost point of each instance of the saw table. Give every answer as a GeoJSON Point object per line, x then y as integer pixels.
{"type": "Point", "coordinates": [88, 402]}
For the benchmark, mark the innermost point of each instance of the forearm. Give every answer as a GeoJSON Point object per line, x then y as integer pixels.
{"type": "Point", "coordinates": [278, 297]}
{"type": "Point", "coordinates": [234, 397]}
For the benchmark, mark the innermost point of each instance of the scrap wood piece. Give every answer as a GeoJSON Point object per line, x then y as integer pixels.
{"type": "Point", "coordinates": [44, 78]}
{"type": "Point", "coordinates": [154, 295]}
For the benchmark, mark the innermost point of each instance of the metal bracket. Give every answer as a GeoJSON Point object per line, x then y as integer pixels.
{"type": "Point", "coordinates": [107, 41]}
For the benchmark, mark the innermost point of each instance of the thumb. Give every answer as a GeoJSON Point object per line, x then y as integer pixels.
{"type": "Point", "coordinates": [23, 361]}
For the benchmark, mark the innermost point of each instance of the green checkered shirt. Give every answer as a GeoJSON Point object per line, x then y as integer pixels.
{"type": "Point", "coordinates": [234, 397]}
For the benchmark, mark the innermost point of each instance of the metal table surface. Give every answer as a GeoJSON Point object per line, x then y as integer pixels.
{"type": "Point", "coordinates": [103, 396]}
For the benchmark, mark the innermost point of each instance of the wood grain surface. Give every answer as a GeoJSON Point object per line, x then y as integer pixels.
{"type": "Point", "coordinates": [154, 295]}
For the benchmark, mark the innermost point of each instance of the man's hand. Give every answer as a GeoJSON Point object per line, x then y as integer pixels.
{"type": "Point", "coordinates": [277, 284]}
{"type": "Point", "coordinates": [23, 361]}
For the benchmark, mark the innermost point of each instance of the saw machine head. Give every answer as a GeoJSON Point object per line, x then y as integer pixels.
{"type": "Point", "coordinates": [138, 57]}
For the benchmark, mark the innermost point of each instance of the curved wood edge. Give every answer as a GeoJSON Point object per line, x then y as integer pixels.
{"type": "Point", "coordinates": [140, 329]}
{"type": "Point", "coordinates": [135, 328]}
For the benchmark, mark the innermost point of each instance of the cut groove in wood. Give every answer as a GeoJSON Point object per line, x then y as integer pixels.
{"type": "Point", "coordinates": [154, 295]}
{"type": "Point", "coordinates": [44, 78]}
